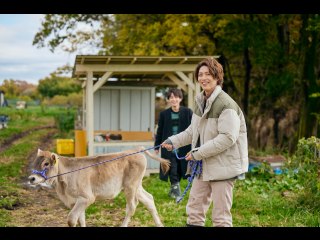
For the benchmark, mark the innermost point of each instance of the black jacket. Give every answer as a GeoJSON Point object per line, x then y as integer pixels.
{"type": "Point", "coordinates": [165, 130]}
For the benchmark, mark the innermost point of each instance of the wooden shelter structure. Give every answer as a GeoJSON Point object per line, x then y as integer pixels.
{"type": "Point", "coordinates": [119, 94]}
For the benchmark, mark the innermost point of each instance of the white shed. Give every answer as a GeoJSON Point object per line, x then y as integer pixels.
{"type": "Point", "coordinates": [119, 96]}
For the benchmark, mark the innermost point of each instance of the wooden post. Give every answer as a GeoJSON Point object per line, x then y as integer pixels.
{"type": "Point", "coordinates": [191, 92]}
{"type": "Point", "coordinates": [89, 113]}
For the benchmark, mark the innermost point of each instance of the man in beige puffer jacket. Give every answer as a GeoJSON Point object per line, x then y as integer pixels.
{"type": "Point", "coordinates": [218, 135]}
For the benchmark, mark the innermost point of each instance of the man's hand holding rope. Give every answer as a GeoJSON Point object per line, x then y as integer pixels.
{"type": "Point", "coordinates": [167, 144]}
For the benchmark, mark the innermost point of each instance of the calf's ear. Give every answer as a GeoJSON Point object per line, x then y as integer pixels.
{"type": "Point", "coordinates": [54, 158]}
{"type": "Point", "coordinates": [40, 152]}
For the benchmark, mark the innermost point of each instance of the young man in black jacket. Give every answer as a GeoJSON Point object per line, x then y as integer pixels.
{"type": "Point", "coordinates": [172, 121]}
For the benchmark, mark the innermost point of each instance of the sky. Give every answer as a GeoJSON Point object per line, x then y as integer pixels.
{"type": "Point", "coordinates": [19, 59]}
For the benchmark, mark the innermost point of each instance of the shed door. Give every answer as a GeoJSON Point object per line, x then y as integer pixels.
{"type": "Point", "coordinates": [124, 109]}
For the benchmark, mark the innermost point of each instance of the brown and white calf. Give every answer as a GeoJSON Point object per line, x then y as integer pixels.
{"type": "Point", "coordinates": [79, 189]}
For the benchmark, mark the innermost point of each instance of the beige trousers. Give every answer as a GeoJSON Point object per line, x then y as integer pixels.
{"type": "Point", "coordinates": [202, 194]}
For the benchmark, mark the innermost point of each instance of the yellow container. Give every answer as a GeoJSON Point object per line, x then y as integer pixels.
{"type": "Point", "coordinates": [65, 146]}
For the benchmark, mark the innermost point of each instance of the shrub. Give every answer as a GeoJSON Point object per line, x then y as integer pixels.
{"type": "Point", "coordinates": [307, 160]}
{"type": "Point", "coordinates": [65, 122]}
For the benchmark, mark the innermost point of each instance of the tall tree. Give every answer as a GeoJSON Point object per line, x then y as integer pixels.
{"type": "Point", "coordinates": [65, 31]}
{"type": "Point", "coordinates": [270, 60]}
{"type": "Point", "coordinates": [56, 85]}
{"type": "Point", "coordinates": [310, 61]}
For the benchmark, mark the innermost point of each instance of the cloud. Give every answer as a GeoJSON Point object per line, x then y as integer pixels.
{"type": "Point", "coordinates": [19, 59]}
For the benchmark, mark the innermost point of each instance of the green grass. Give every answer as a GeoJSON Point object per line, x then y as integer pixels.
{"type": "Point", "coordinates": [251, 208]}
{"type": "Point", "coordinates": [4, 217]}
{"type": "Point", "coordinates": [171, 213]}
{"type": "Point", "coordinates": [23, 120]}
{"type": "Point", "coordinates": [258, 201]}
{"type": "Point", "coordinates": [34, 116]}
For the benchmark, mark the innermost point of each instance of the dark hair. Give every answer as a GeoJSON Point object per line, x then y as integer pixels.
{"type": "Point", "coordinates": [175, 91]}
{"type": "Point", "coordinates": [215, 69]}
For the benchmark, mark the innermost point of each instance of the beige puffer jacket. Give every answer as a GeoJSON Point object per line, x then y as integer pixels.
{"type": "Point", "coordinates": [223, 137]}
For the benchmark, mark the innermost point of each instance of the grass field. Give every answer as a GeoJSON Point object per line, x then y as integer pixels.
{"type": "Point", "coordinates": [258, 202]}
{"type": "Point", "coordinates": [250, 208]}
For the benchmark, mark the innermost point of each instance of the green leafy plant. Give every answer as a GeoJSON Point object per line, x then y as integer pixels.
{"type": "Point", "coordinates": [307, 161]}
{"type": "Point", "coordinates": [65, 122]}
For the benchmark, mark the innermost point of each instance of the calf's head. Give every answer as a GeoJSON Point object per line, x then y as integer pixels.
{"type": "Point", "coordinates": [45, 165]}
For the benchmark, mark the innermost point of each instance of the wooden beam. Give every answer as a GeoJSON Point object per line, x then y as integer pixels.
{"type": "Point", "coordinates": [183, 60]}
{"type": "Point", "coordinates": [177, 81]}
{"type": "Point", "coordinates": [133, 60]}
{"type": "Point", "coordinates": [164, 77]}
{"type": "Point", "coordinates": [102, 81]}
{"type": "Point", "coordinates": [162, 83]}
{"type": "Point", "coordinates": [186, 79]}
{"type": "Point", "coordinates": [143, 83]}
{"type": "Point", "coordinates": [191, 93]}
{"type": "Point", "coordinates": [135, 68]}
{"type": "Point", "coordinates": [197, 86]}
{"type": "Point", "coordinates": [159, 60]}
{"type": "Point", "coordinates": [190, 97]}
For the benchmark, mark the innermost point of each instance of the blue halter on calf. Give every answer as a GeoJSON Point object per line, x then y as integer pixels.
{"type": "Point", "coordinates": [41, 173]}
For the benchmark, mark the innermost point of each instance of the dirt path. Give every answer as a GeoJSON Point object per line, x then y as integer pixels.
{"type": "Point", "coordinates": [40, 209]}
{"type": "Point", "coordinates": [8, 142]}
{"type": "Point", "coordinates": [39, 205]}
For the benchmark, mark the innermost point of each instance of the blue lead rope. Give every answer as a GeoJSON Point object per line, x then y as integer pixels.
{"type": "Point", "coordinates": [44, 171]}
{"type": "Point", "coordinates": [196, 167]}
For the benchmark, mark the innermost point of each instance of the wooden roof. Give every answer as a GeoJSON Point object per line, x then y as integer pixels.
{"type": "Point", "coordinates": [134, 67]}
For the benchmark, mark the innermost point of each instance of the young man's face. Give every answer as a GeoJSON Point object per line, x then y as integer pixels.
{"type": "Point", "coordinates": [174, 101]}
{"type": "Point", "coordinates": [206, 80]}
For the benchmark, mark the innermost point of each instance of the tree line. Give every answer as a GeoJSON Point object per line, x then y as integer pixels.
{"type": "Point", "coordinates": [271, 61]}
{"type": "Point", "coordinates": [55, 89]}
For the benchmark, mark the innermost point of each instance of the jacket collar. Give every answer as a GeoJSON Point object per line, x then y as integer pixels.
{"type": "Point", "coordinates": [200, 98]}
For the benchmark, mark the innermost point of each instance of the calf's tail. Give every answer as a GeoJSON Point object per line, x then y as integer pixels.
{"type": "Point", "coordinates": [164, 163]}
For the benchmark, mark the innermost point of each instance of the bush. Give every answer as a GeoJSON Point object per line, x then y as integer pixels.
{"type": "Point", "coordinates": [73, 99]}
{"type": "Point", "coordinates": [65, 122]}
{"type": "Point", "coordinates": [307, 160]}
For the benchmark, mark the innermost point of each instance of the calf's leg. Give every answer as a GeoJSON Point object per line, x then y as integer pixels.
{"type": "Point", "coordinates": [78, 210]}
{"type": "Point", "coordinates": [131, 205]}
{"type": "Point", "coordinates": [82, 219]}
{"type": "Point", "coordinates": [148, 201]}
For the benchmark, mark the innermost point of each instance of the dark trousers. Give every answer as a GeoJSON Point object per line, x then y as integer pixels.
{"type": "Point", "coordinates": [175, 172]}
